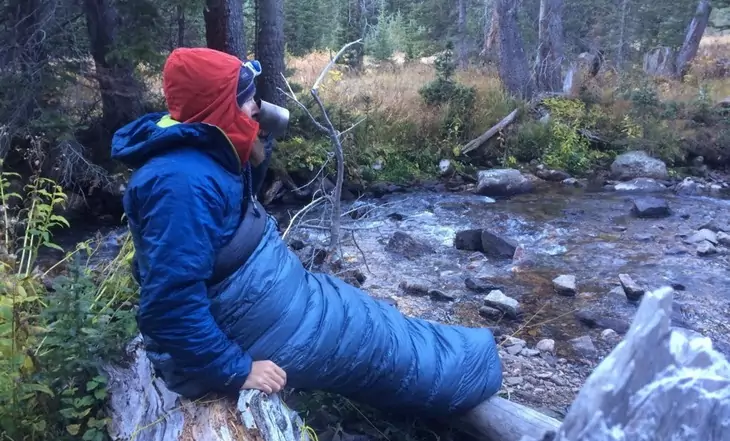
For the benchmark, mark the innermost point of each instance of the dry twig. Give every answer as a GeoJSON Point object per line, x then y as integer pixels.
{"type": "Point", "coordinates": [335, 138]}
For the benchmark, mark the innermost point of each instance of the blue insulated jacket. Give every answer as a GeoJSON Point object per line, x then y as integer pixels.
{"type": "Point", "coordinates": [186, 196]}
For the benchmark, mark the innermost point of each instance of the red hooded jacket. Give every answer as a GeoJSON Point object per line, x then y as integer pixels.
{"type": "Point", "coordinates": [200, 86]}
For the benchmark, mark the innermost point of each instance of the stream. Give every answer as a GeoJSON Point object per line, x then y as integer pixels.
{"type": "Point", "coordinates": [591, 235]}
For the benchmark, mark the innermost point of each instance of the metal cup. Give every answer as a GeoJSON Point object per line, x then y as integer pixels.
{"type": "Point", "coordinates": [272, 118]}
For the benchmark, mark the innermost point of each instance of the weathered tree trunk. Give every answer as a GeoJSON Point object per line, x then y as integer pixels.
{"type": "Point", "coordinates": [549, 60]}
{"type": "Point", "coordinates": [665, 62]}
{"type": "Point", "coordinates": [695, 31]}
{"type": "Point", "coordinates": [660, 62]}
{"type": "Point", "coordinates": [121, 91]}
{"type": "Point", "coordinates": [270, 51]}
{"type": "Point", "coordinates": [492, 37]}
{"type": "Point", "coordinates": [143, 409]}
{"type": "Point", "coordinates": [514, 69]}
{"type": "Point", "coordinates": [462, 55]}
{"type": "Point", "coordinates": [224, 27]}
{"type": "Point", "coordinates": [658, 384]}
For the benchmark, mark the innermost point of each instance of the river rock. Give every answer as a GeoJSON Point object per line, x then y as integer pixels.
{"type": "Point", "coordinates": [649, 207]}
{"type": "Point", "coordinates": [638, 164]}
{"type": "Point", "coordinates": [641, 185]}
{"type": "Point", "coordinates": [565, 285]}
{"type": "Point", "coordinates": [469, 240]}
{"type": "Point", "coordinates": [689, 187]}
{"type": "Point", "coordinates": [716, 225]}
{"type": "Point", "coordinates": [490, 313]}
{"type": "Point", "coordinates": [480, 286]}
{"type": "Point", "coordinates": [706, 248]}
{"type": "Point", "coordinates": [414, 288]}
{"type": "Point", "coordinates": [502, 182]}
{"type": "Point", "coordinates": [597, 320]}
{"type": "Point", "coordinates": [723, 238]}
{"type": "Point", "coordinates": [701, 236]}
{"type": "Point", "coordinates": [583, 345]}
{"type": "Point", "coordinates": [546, 345]}
{"type": "Point", "coordinates": [405, 245]}
{"type": "Point", "coordinates": [547, 174]}
{"type": "Point", "coordinates": [609, 335]}
{"type": "Point", "coordinates": [441, 296]}
{"type": "Point", "coordinates": [509, 306]}
{"type": "Point", "coordinates": [497, 246]}
{"type": "Point", "coordinates": [632, 290]}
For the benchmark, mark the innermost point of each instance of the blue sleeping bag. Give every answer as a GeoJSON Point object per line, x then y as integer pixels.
{"type": "Point", "coordinates": [183, 204]}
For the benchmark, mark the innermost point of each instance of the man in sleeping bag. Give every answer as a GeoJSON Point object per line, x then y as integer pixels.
{"type": "Point", "coordinates": [225, 305]}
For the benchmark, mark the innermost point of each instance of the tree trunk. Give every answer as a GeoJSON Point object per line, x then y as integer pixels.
{"type": "Point", "coordinates": [659, 383]}
{"type": "Point", "coordinates": [224, 29]}
{"type": "Point", "coordinates": [270, 51]}
{"type": "Point", "coordinates": [695, 31]}
{"type": "Point", "coordinates": [180, 26]}
{"type": "Point", "coordinates": [462, 55]}
{"type": "Point", "coordinates": [514, 69]}
{"type": "Point", "coordinates": [491, 39]}
{"type": "Point", "coordinates": [141, 408]}
{"type": "Point", "coordinates": [121, 91]}
{"type": "Point", "coordinates": [548, 64]}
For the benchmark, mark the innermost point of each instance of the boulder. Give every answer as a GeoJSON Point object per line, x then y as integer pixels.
{"type": "Point", "coordinates": [649, 207]}
{"type": "Point", "coordinates": [405, 245]}
{"type": "Point", "coordinates": [638, 164]}
{"type": "Point", "coordinates": [503, 182]}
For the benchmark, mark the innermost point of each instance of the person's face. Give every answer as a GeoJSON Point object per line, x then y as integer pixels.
{"type": "Point", "coordinates": [251, 109]}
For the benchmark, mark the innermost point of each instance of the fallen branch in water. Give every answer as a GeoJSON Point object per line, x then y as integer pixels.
{"type": "Point", "coordinates": [336, 140]}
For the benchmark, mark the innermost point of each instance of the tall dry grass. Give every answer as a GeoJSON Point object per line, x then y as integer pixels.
{"type": "Point", "coordinates": [392, 89]}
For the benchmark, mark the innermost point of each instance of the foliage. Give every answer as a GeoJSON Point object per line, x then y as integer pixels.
{"type": "Point", "coordinates": [54, 337]}
{"type": "Point", "coordinates": [458, 98]}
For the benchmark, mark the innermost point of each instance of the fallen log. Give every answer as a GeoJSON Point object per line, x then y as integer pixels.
{"type": "Point", "coordinates": [141, 408]}
{"type": "Point", "coordinates": [498, 419]}
{"type": "Point", "coordinates": [486, 136]}
{"type": "Point", "coordinates": [659, 383]}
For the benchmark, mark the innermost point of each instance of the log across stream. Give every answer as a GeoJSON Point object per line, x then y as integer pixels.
{"type": "Point", "coordinates": [659, 383]}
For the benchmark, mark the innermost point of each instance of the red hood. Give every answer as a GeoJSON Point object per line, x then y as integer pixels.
{"type": "Point", "coordinates": [200, 86]}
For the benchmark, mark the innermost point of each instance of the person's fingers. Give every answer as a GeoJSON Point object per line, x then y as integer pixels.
{"type": "Point", "coordinates": [281, 372]}
{"type": "Point", "coordinates": [277, 376]}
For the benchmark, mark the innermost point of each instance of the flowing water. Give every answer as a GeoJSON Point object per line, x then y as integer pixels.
{"type": "Point", "coordinates": [591, 235]}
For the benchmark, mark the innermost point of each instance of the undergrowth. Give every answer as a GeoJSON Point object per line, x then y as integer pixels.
{"type": "Point", "coordinates": [58, 325]}
{"type": "Point", "coordinates": [416, 114]}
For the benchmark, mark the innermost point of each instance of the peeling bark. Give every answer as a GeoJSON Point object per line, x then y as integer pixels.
{"type": "Point", "coordinates": [143, 409]}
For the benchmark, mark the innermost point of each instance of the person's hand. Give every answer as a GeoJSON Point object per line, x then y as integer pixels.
{"type": "Point", "coordinates": [265, 376]}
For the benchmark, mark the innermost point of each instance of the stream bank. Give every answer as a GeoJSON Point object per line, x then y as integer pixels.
{"type": "Point", "coordinates": [558, 275]}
